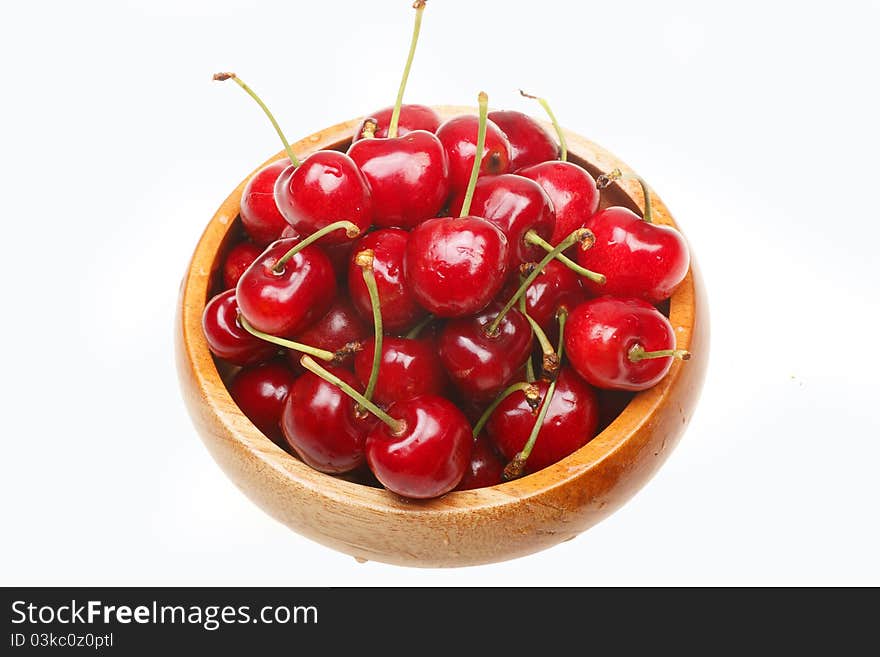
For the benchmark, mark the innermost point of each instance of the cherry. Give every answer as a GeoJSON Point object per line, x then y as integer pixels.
{"type": "Point", "coordinates": [408, 368]}
{"type": "Point", "coordinates": [237, 261]}
{"type": "Point", "coordinates": [569, 421]}
{"type": "Point", "coordinates": [459, 137]}
{"type": "Point", "coordinates": [340, 330]}
{"type": "Point", "coordinates": [479, 363]}
{"type": "Point", "coordinates": [282, 298]}
{"type": "Point", "coordinates": [555, 285]}
{"type": "Point", "coordinates": [485, 468]}
{"type": "Point", "coordinates": [408, 174]}
{"type": "Point", "coordinates": [639, 258]}
{"type": "Point", "coordinates": [321, 425]}
{"type": "Point", "coordinates": [225, 336]}
{"type": "Point", "coordinates": [259, 215]}
{"type": "Point", "coordinates": [412, 118]}
{"type": "Point", "coordinates": [621, 344]}
{"type": "Point", "coordinates": [516, 205]}
{"type": "Point", "coordinates": [260, 392]}
{"type": "Point", "coordinates": [455, 267]}
{"type": "Point", "coordinates": [572, 192]}
{"type": "Point", "coordinates": [422, 446]}
{"type": "Point", "coordinates": [529, 142]}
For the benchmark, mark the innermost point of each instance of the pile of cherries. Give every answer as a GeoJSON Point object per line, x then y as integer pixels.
{"type": "Point", "coordinates": [442, 306]}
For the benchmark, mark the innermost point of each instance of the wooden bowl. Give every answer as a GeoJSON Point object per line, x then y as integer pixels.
{"type": "Point", "coordinates": [461, 528]}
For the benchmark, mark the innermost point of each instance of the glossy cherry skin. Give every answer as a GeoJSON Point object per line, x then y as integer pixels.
{"type": "Point", "coordinates": [459, 137]}
{"type": "Point", "coordinates": [516, 205]}
{"type": "Point", "coordinates": [570, 423]}
{"type": "Point", "coordinates": [601, 332]}
{"type": "Point", "coordinates": [555, 286]}
{"type": "Point", "coordinates": [408, 176]}
{"type": "Point", "coordinates": [320, 423]}
{"type": "Point", "coordinates": [639, 259]}
{"type": "Point", "coordinates": [529, 142]}
{"type": "Point", "coordinates": [340, 326]}
{"type": "Point", "coordinates": [239, 258]}
{"type": "Point", "coordinates": [400, 310]}
{"type": "Point", "coordinates": [572, 192]}
{"type": "Point", "coordinates": [225, 336]}
{"type": "Point", "coordinates": [485, 468]}
{"type": "Point", "coordinates": [481, 366]}
{"type": "Point", "coordinates": [286, 304]}
{"type": "Point", "coordinates": [455, 266]}
{"type": "Point", "coordinates": [260, 392]}
{"type": "Point", "coordinates": [325, 188]}
{"type": "Point", "coordinates": [412, 117]}
{"type": "Point", "coordinates": [260, 216]}
{"type": "Point", "coordinates": [432, 453]}
{"type": "Point", "coordinates": [408, 368]}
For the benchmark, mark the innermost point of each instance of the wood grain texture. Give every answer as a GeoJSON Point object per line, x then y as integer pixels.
{"type": "Point", "coordinates": [462, 528]}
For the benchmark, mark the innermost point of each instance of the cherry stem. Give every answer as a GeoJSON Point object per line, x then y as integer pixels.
{"type": "Point", "coordinates": [638, 353]}
{"type": "Point", "coordinates": [530, 366]}
{"type": "Point", "coordinates": [562, 318]}
{"type": "Point", "coordinates": [220, 77]}
{"type": "Point", "coordinates": [364, 260]}
{"type": "Point", "coordinates": [529, 389]}
{"type": "Point", "coordinates": [533, 238]}
{"type": "Point", "coordinates": [369, 131]}
{"type": "Point", "coordinates": [515, 468]}
{"type": "Point", "coordinates": [323, 354]}
{"type": "Point", "coordinates": [397, 426]}
{"type": "Point", "coordinates": [606, 179]}
{"type": "Point", "coordinates": [351, 231]}
{"type": "Point", "coordinates": [415, 330]}
{"type": "Point", "coordinates": [550, 361]}
{"type": "Point", "coordinates": [483, 101]}
{"type": "Point", "coordinates": [563, 145]}
{"type": "Point", "coordinates": [419, 6]}
{"type": "Point", "coordinates": [577, 235]}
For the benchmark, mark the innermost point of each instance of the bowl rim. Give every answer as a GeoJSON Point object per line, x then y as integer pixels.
{"type": "Point", "coordinates": [193, 350]}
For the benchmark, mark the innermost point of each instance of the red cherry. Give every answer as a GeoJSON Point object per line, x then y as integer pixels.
{"type": "Point", "coordinates": [408, 177]}
{"type": "Point", "coordinates": [429, 453]}
{"type": "Point", "coordinates": [321, 426]}
{"type": "Point", "coordinates": [459, 137]}
{"type": "Point", "coordinates": [225, 336]}
{"type": "Point", "coordinates": [455, 267]}
{"type": "Point", "coordinates": [327, 187]}
{"type": "Point", "coordinates": [485, 468]}
{"type": "Point", "coordinates": [555, 286]}
{"type": "Point", "coordinates": [286, 303]}
{"type": "Point", "coordinates": [516, 205]}
{"type": "Point", "coordinates": [638, 258]}
{"type": "Point", "coordinates": [259, 215]}
{"type": "Point", "coordinates": [529, 142]}
{"type": "Point", "coordinates": [237, 261]}
{"type": "Point", "coordinates": [570, 422]}
{"type": "Point", "coordinates": [340, 327]}
{"type": "Point", "coordinates": [408, 368]}
{"type": "Point", "coordinates": [572, 192]}
{"type": "Point", "coordinates": [412, 118]}
{"type": "Point", "coordinates": [480, 366]}
{"type": "Point", "coordinates": [621, 344]}
{"type": "Point", "coordinates": [260, 392]}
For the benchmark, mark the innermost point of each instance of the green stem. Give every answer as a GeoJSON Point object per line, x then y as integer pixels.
{"type": "Point", "coordinates": [648, 215]}
{"type": "Point", "coordinates": [415, 330]}
{"type": "Point", "coordinates": [483, 101]}
{"type": "Point", "coordinates": [419, 6]}
{"type": "Point", "coordinates": [638, 353]}
{"type": "Point", "coordinates": [397, 426]}
{"type": "Point", "coordinates": [563, 145]}
{"type": "Point", "coordinates": [533, 238]}
{"type": "Point", "coordinates": [351, 230]}
{"type": "Point", "coordinates": [550, 361]}
{"type": "Point", "coordinates": [529, 389]}
{"type": "Point", "coordinates": [562, 318]}
{"type": "Point", "coordinates": [575, 236]}
{"type": "Point", "coordinates": [323, 354]}
{"type": "Point", "coordinates": [364, 260]}
{"type": "Point", "coordinates": [530, 366]}
{"type": "Point", "coordinates": [220, 77]}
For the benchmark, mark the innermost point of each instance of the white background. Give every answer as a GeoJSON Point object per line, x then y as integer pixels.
{"type": "Point", "coordinates": [756, 122]}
